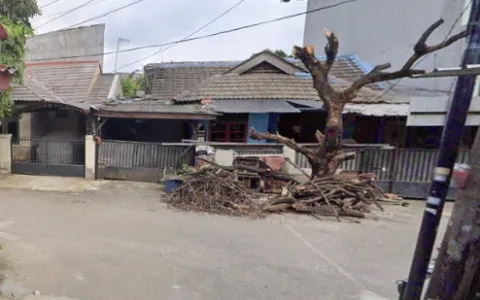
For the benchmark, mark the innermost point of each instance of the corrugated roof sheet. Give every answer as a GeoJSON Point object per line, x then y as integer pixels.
{"type": "Point", "coordinates": [156, 106]}
{"type": "Point", "coordinates": [400, 110]}
{"type": "Point", "coordinates": [254, 106]}
{"type": "Point", "coordinates": [315, 104]}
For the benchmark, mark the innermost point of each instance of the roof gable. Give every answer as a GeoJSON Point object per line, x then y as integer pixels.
{"type": "Point", "coordinates": [266, 62]}
{"type": "Point", "coordinates": [70, 80]}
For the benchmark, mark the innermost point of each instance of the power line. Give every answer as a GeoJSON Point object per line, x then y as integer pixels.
{"type": "Point", "coordinates": [104, 15]}
{"type": "Point", "coordinates": [63, 11]}
{"type": "Point", "coordinates": [50, 3]}
{"type": "Point", "coordinates": [212, 34]}
{"type": "Point", "coordinates": [64, 14]}
{"type": "Point", "coordinates": [201, 28]}
{"type": "Point", "coordinates": [424, 57]}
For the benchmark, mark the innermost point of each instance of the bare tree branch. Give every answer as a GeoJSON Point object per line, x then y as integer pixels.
{"type": "Point", "coordinates": [309, 154]}
{"type": "Point", "coordinates": [319, 70]}
{"type": "Point", "coordinates": [331, 49]}
{"type": "Point", "coordinates": [420, 49]}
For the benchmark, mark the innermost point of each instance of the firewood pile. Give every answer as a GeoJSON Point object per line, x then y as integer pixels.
{"type": "Point", "coordinates": [216, 189]}
{"type": "Point", "coordinates": [338, 195]}
{"type": "Point", "coordinates": [212, 190]}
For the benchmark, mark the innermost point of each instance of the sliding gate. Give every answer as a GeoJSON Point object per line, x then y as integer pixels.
{"type": "Point", "coordinates": [49, 156]}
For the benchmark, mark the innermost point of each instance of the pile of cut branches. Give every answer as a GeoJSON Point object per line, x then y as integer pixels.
{"type": "Point", "coordinates": [215, 189]}
{"type": "Point", "coordinates": [337, 195]}
{"type": "Point", "coordinates": [212, 190]}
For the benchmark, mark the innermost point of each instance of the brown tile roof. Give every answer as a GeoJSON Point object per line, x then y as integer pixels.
{"type": "Point", "coordinates": [265, 86]}
{"type": "Point", "coordinates": [69, 80]}
{"type": "Point", "coordinates": [101, 89]}
{"type": "Point", "coordinates": [33, 91]}
{"type": "Point", "coordinates": [166, 80]}
{"type": "Point", "coordinates": [169, 79]}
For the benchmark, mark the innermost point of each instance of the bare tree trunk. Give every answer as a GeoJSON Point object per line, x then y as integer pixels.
{"type": "Point", "coordinates": [459, 256]}
{"type": "Point", "coordinates": [328, 156]}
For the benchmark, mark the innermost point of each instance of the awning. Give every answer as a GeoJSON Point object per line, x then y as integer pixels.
{"type": "Point", "coordinates": [433, 111]}
{"type": "Point", "coordinates": [309, 104]}
{"type": "Point", "coordinates": [83, 108]}
{"type": "Point", "coordinates": [254, 106]}
{"type": "Point", "coordinates": [377, 110]}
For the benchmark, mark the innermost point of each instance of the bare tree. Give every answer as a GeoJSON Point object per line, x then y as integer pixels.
{"type": "Point", "coordinates": [328, 155]}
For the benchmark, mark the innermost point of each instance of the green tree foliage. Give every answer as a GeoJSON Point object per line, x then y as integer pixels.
{"type": "Point", "coordinates": [14, 16]}
{"type": "Point", "coordinates": [132, 84]}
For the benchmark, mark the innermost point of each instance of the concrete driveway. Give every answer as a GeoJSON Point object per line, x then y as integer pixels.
{"type": "Point", "coordinates": [120, 242]}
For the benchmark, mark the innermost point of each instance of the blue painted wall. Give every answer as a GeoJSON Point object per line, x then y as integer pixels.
{"type": "Point", "coordinates": [260, 122]}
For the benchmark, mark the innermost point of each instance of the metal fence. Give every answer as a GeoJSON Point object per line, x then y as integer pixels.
{"type": "Point", "coordinates": [249, 149]}
{"type": "Point", "coordinates": [407, 172]}
{"type": "Point", "coordinates": [350, 165]}
{"type": "Point", "coordinates": [141, 161]}
{"type": "Point", "coordinates": [59, 156]}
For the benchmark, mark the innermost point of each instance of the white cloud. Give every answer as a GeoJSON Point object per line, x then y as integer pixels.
{"type": "Point", "coordinates": [158, 21]}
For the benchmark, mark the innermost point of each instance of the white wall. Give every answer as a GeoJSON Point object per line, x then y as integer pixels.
{"type": "Point", "coordinates": [381, 31]}
{"type": "Point", "coordinates": [85, 43]}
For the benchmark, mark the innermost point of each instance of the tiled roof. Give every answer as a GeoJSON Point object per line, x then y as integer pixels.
{"type": "Point", "coordinates": [69, 80]}
{"type": "Point", "coordinates": [170, 79]}
{"type": "Point", "coordinates": [156, 106]}
{"type": "Point", "coordinates": [348, 67]}
{"type": "Point", "coordinates": [33, 91]}
{"type": "Point", "coordinates": [265, 86]}
{"type": "Point", "coordinates": [101, 89]}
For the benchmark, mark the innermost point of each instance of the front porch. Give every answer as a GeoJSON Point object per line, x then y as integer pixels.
{"type": "Point", "coordinates": [50, 139]}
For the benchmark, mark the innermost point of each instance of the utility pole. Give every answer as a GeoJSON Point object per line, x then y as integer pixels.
{"type": "Point", "coordinates": [118, 48]}
{"type": "Point", "coordinates": [448, 153]}
{"type": "Point", "coordinates": [457, 264]}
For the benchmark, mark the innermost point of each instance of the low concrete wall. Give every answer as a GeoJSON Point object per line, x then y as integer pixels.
{"type": "Point", "coordinates": [5, 153]}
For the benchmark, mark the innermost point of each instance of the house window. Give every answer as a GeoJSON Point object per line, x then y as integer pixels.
{"type": "Point", "coordinates": [12, 128]}
{"type": "Point", "coordinates": [467, 8]}
{"type": "Point", "coordinates": [232, 129]}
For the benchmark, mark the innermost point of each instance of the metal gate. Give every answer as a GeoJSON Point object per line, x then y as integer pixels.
{"type": "Point", "coordinates": [141, 161]}
{"type": "Point", "coordinates": [49, 156]}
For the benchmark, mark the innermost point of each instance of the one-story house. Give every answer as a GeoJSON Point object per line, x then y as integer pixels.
{"type": "Point", "coordinates": [49, 89]}
{"type": "Point", "coordinates": [269, 93]}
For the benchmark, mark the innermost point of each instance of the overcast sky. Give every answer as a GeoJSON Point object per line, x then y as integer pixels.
{"type": "Point", "coordinates": [159, 21]}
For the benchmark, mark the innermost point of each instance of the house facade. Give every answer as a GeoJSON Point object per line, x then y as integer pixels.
{"type": "Point", "coordinates": [52, 116]}
{"type": "Point", "coordinates": [78, 83]}
{"type": "Point", "coordinates": [269, 93]}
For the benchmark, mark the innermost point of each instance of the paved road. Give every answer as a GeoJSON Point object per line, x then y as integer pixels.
{"type": "Point", "coordinates": [120, 243]}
